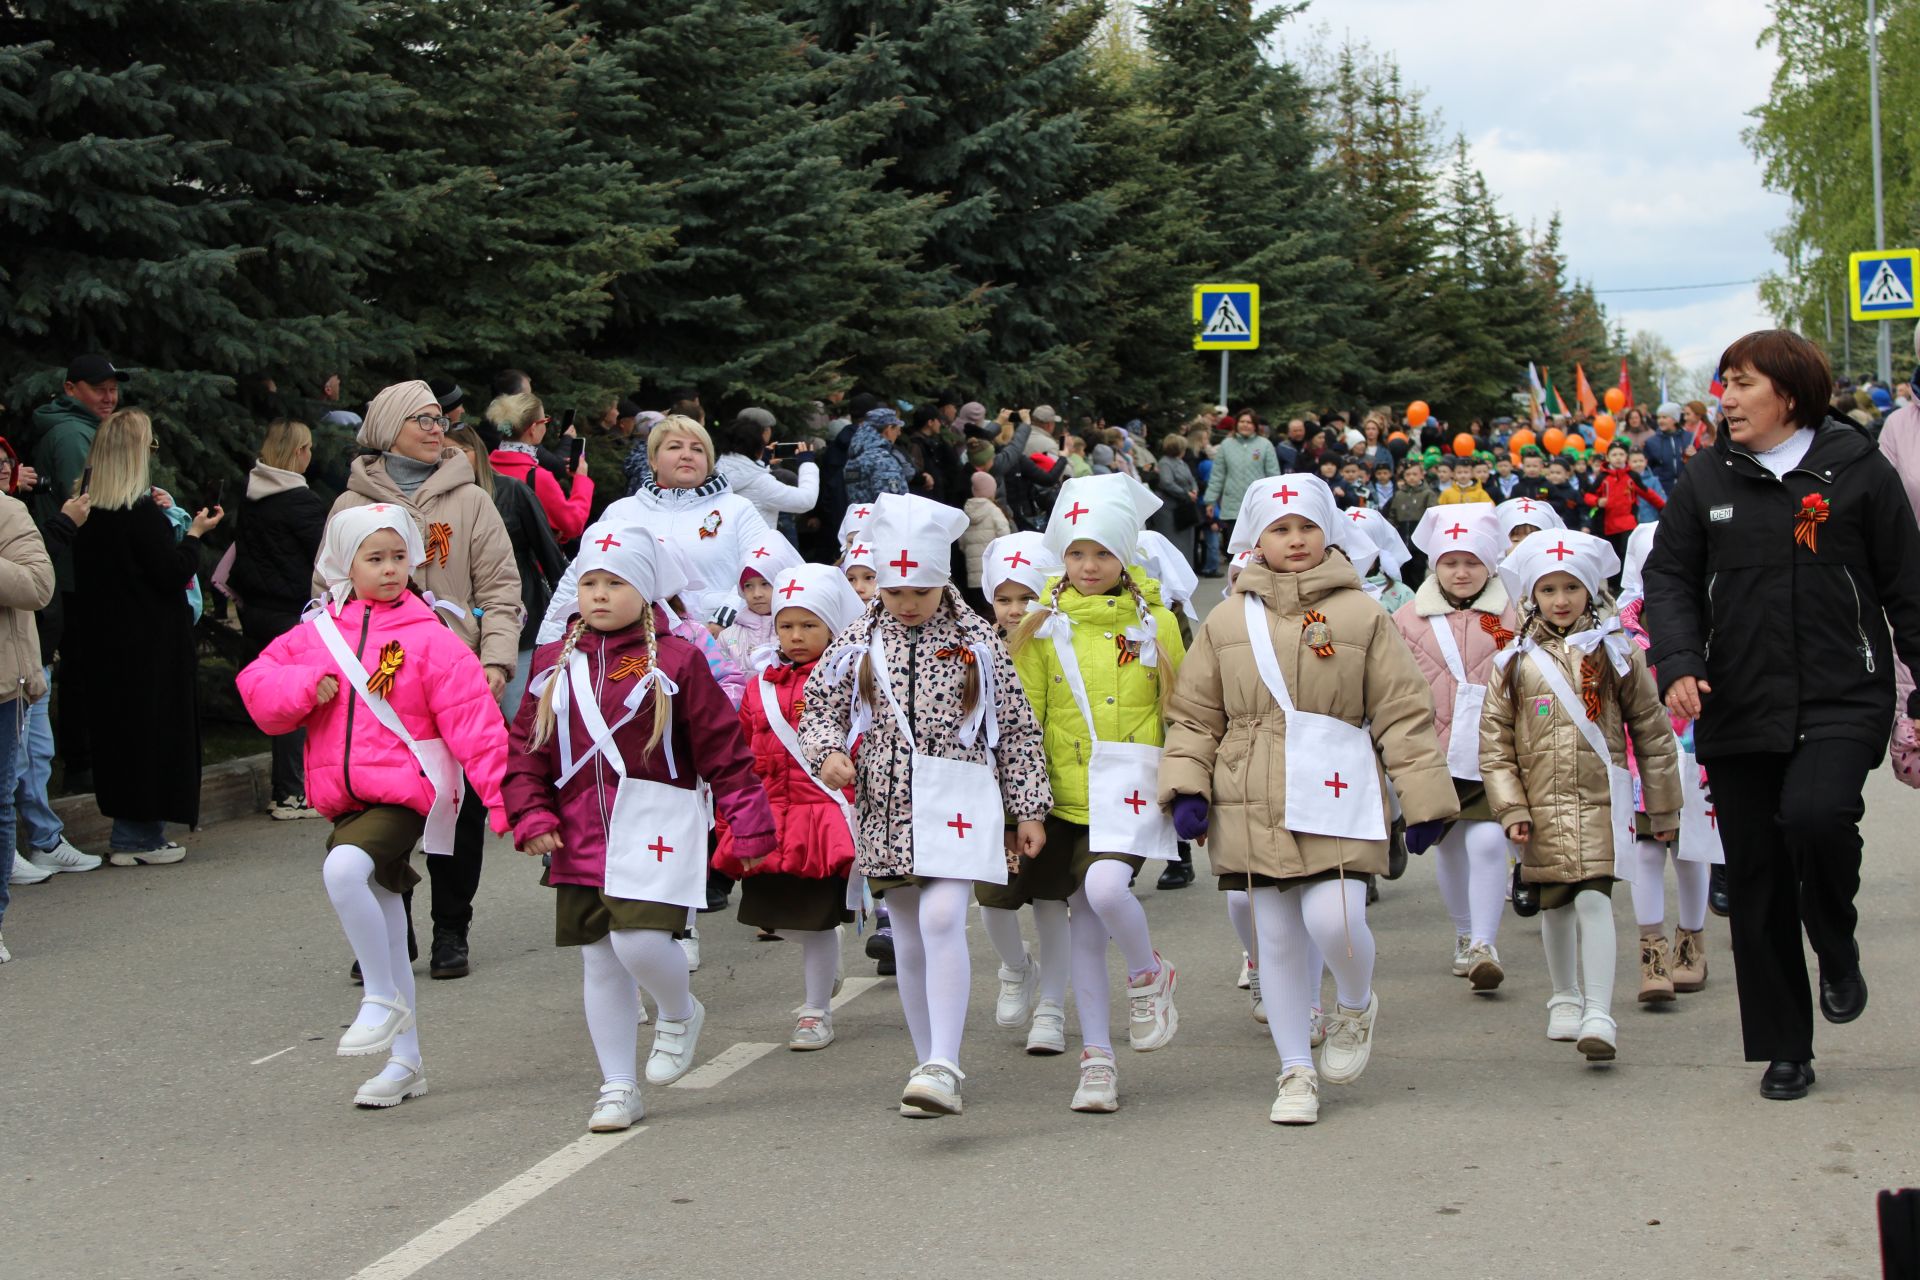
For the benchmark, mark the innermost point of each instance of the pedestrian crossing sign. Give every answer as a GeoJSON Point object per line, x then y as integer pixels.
{"type": "Point", "coordinates": [1226, 317]}
{"type": "Point", "coordinates": [1883, 284]}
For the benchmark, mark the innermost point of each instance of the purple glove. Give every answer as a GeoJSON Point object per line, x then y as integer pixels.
{"type": "Point", "coordinates": [1190, 816]}
{"type": "Point", "coordinates": [1421, 836]}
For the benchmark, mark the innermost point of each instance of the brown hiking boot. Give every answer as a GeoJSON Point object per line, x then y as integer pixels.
{"type": "Point", "coordinates": [1656, 977]}
{"type": "Point", "coordinates": [1689, 960]}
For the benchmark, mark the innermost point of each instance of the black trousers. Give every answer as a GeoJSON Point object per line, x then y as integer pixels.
{"type": "Point", "coordinates": [1791, 826]}
{"type": "Point", "coordinates": [456, 876]}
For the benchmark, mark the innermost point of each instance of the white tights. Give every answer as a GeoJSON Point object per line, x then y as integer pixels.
{"type": "Point", "coordinates": [1240, 912]}
{"type": "Point", "coordinates": [930, 950]}
{"type": "Point", "coordinates": [1650, 888]}
{"type": "Point", "coordinates": [1329, 916]}
{"type": "Point", "coordinates": [1104, 909]}
{"type": "Point", "coordinates": [375, 923]}
{"type": "Point", "coordinates": [1050, 923]}
{"type": "Point", "coordinates": [616, 967]}
{"type": "Point", "coordinates": [1585, 928]}
{"type": "Point", "coordinates": [1472, 865]}
{"type": "Point", "coordinates": [820, 962]}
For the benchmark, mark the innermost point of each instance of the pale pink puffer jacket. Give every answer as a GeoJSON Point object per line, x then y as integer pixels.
{"type": "Point", "coordinates": [1477, 644]}
{"type": "Point", "coordinates": [353, 761]}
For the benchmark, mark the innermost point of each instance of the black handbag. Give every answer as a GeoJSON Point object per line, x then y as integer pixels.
{"type": "Point", "coordinates": [1185, 515]}
{"type": "Point", "coordinates": [1526, 897]}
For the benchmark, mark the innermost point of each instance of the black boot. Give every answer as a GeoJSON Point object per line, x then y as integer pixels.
{"type": "Point", "coordinates": [1179, 874]}
{"type": "Point", "coordinates": [1397, 849]}
{"type": "Point", "coordinates": [1717, 900]}
{"type": "Point", "coordinates": [449, 954]}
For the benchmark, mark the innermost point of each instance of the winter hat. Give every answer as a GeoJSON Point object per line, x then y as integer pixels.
{"type": "Point", "coordinates": [1515, 512]}
{"type": "Point", "coordinates": [913, 538]}
{"type": "Point", "coordinates": [768, 556]}
{"type": "Point", "coordinates": [881, 418]}
{"type": "Point", "coordinates": [983, 485]}
{"type": "Point", "coordinates": [345, 533]}
{"type": "Point", "coordinates": [1668, 409]}
{"type": "Point", "coordinates": [384, 415]}
{"type": "Point", "coordinates": [1163, 561]}
{"type": "Point", "coordinates": [972, 414]}
{"type": "Point", "coordinates": [1633, 584]}
{"type": "Point", "coordinates": [821, 590]}
{"type": "Point", "coordinates": [1272, 498]}
{"type": "Point", "coordinates": [1882, 398]}
{"type": "Point", "coordinates": [1101, 456]}
{"type": "Point", "coordinates": [1019, 557]}
{"type": "Point", "coordinates": [1385, 538]}
{"type": "Point", "coordinates": [980, 453]}
{"type": "Point", "coordinates": [1109, 510]}
{"type": "Point", "coordinates": [1544, 551]}
{"type": "Point", "coordinates": [1470, 527]}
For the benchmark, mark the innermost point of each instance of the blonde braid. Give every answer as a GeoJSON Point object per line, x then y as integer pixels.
{"type": "Point", "coordinates": [1037, 618]}
{"type": "Point", "coordinates": [662, 704]}
{"type": "Point", "coordinates": [543, 718]}
{"type": "Point", "coordinates": [1146, 617]}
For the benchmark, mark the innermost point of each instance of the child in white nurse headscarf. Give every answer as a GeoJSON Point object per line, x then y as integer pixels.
{"type": "Point", "coordinates": [1519, 517]}
{"type": "Point", "coordinates": [1384, 583]}
{"type": "Point", "coordinates": [752, 627]}
{"type": "Point", "coordinates": [1299, 675]}
{"type": "Point", "coordinates": [948, 677]}
{"type": "Point", "coordinates": [1572, 683]}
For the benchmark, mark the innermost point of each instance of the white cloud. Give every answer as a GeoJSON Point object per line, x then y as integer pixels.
{"type": "Point", "coordinates": [1624, 118]}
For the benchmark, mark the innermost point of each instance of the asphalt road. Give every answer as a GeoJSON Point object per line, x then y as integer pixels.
{"type": "Point", "coordinates": [174, 1108]}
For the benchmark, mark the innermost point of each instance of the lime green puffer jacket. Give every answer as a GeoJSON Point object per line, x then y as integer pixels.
{"type": "Point", "coordinates": [1125, 699]}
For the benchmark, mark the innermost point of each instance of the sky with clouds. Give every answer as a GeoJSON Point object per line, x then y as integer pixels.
{"type": "Point", "coordinates": [1625, 117]}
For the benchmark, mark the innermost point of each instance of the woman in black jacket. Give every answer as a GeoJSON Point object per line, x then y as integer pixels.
{"type": "Point", "coordinates": [1786, 550]}
{"type": "Point", "coordinates": [535, 553]}
{"type": "Point", "coordinates": [274, 546]}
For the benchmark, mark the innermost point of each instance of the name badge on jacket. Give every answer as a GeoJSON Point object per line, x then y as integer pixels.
{"type": "Point", "coordinates": [1720, 515]}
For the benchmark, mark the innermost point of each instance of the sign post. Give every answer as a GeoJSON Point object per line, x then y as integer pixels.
{"type": "Point", "coordinates": [1226, 317]}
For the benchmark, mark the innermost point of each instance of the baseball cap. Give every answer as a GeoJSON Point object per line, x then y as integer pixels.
{"type": "Point", "coordinates": [94, 367]}
{"type": "Point", "coordinates": [1045, 413]}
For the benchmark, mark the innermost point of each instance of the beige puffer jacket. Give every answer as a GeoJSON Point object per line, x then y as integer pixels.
{"type": "Point", "coordinates": [469, 562]}
{"type": "Point", "coordinates": [1538, 769]}
{"type": "Point", "coordinates": [1226, 736]}
{"type": "Point", "coordinates": [26, 585]}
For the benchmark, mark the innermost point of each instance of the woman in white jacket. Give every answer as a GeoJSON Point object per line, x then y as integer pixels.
{"type": "Point", "coordinates": [742, 442]}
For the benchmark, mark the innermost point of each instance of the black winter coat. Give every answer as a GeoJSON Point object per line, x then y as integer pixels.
{"type": "Point", "coordinates": [277, 539]}
{"type": "Point", "coordinates": [1793, 641]}
{"type": "Point", "coordinates": [130, 640]}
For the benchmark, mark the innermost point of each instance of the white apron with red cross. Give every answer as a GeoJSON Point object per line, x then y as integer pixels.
{"type": "Point", "coordinates": [1333, 775]}
{"type": "Point", "coordinates": [1122, 779]}
{"type": "Point", "coordinates": [1469, 700]}
{"type": "Point", "coordinates": [1699, 817]}
{"type": "Point", "coordinates": [1619, 781]}
{"type": "Point", "coordinates": [657, 834]}
{"type": "Point", "coordinates": [958, 816]}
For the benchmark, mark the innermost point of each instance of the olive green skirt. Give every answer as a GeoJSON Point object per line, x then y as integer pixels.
{"type": "Point", "coordinates": [1555, 896]}
{"type": "Point", "coordinates": [583, 914]}
{"type": "Point", "coordinates": [388, 833]}
{"type": "Point", "coordinates": [777, 901]}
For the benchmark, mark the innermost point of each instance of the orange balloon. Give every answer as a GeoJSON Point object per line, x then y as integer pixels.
{"type": "Point", "coordinates": [1463, 445]}
{"type": "Point", "coordinates": [1398, 435]}
{"type": "Point", "coordinates": [1554, 440]}
{"type": "Point", "coordinates": [1522, 438]}
{"type": "Point", "coordinates": [1616, 399]}
{"type": "Point", "coordinates": [1418, 413]}
{"type": "Point", "coordinates": [1603, 427]}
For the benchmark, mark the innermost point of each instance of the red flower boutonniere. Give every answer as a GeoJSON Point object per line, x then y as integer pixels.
{"type": "Point", "coordinates": [1807, 521]}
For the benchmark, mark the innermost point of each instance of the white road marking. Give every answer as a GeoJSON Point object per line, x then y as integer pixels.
{"type": "Point", "coordinates": [270, 1057]}
{"type": "Point", "coordinates": [437, 1241]}
{"type": "Point", "coordinates": [441, 1239]}
{"type": "Point", "coordinates": [723, 1064]}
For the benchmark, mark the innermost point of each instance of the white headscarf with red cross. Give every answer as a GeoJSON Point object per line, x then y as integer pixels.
{"type": "Point", "coordinates": [1470, 527]}
{"type": "Point", "coordinates": [912, 539]}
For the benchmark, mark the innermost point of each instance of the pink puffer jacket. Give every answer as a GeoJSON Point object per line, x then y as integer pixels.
{"type": "Point", "coordinates": [1477, 644]}
{"type": "Point", "coordinates": [353, 761]}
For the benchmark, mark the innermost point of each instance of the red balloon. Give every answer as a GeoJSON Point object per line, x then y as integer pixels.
{"type": "Point", "coordinates": [1463, 445]}
{"type": "Point", "coordinates": [1417, 413]}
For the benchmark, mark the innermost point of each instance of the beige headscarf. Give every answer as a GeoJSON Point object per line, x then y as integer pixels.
{"type": "Point", "coordinates": [401, 400]}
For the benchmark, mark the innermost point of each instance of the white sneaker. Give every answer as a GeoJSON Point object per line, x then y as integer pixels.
{"type": "Point", "coordinates": [1563, 1017]}
{"type": "Point", "coordinates": [1462, 961]}
{"type": "Point", "coordinates": [934, 1087]}
{"type": "Point", "coordinates": [1298, 1101]}
{"type": "Point", "coordinates": [1048, 1034]}
{"type": "Point", "coordinates": [674, 1044]}
{"type": "Point", "coordinates": [1016, 993]}
{"type": "Point", "coordinates": [814, 1030]}
{"type": "Point", "coordinates": [1484, 971]}
{"type": "Point", "coordinates": [384, 1092]}
{"type": "Point", "coordinates": [1349, 1041]}
{"type": "Point", "coordinates": [286, 810]}
{"type": "Point", "coordinates": [644, 1019]}
{"type": "Point", "coordinates": [1259, 1004]}
{"type": "Point", "coordinates": [1246, 971]}
{"type": "Point", "coordinates": [691, 945]}
{"type": "Point", "coordinates": [26, 872]}
{"type": "Point", "coordinates": [64, 857]}
{"type": "Point", "coordinates": [5, 955]}
{"type": "Point", "coordinates": [166, 855]}
{"type": "Point", "coordinates": [1597, 1041]}
{"type": "Point", "coordinates": [619, 1108]}
{"type": "Point", "coordinates": [1099, 1083]}
{"type": "Point", "coordinates": [363, 1038]}
{"type": "Point", "coordinates": [1318, 1035]}
{"type": "Point", "coordinates": [1152, 1017]}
